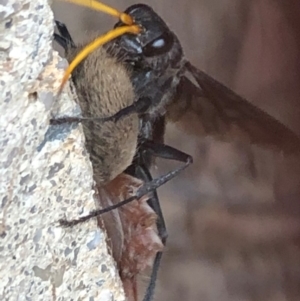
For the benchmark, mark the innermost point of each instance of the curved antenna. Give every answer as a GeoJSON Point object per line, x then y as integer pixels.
{"type": "Point", "coordinates": [112, 34]}
{"type": "Point", "coordinates": [95, 5]}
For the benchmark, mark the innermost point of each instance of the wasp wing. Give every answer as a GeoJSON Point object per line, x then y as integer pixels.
{"type": "Point", "coordinates": [203, 106]}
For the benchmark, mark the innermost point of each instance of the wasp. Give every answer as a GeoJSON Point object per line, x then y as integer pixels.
{"type": "Point", "coordinates": [116, 144]}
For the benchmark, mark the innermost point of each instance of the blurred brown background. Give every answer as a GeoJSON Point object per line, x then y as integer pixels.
{"type": "Point", "coordinates": [233, 217]}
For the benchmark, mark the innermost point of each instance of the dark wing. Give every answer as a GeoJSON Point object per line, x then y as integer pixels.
{"type": "Point", "coordinates": [207, 107]}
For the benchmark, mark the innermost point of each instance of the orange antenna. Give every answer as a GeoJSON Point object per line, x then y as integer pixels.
{"type": "Point", "coordinates": [95, 5]}
{"type": "Point", "coordinates": [112, 34]}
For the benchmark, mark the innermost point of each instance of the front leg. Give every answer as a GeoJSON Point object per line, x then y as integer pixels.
{"type": "Point", "coordinates": [64, 38]}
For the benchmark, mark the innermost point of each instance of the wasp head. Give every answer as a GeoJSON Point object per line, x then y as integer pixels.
{"type": "Point", "coordinates": [156, 47]}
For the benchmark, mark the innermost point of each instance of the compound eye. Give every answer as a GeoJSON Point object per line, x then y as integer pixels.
{"type": "Point", "coordinates": [161, 45]}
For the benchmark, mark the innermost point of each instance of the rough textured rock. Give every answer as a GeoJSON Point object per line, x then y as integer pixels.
{"type": "Point", "coordinates": [45, 173]}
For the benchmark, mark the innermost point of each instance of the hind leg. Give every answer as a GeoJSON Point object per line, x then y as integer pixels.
{"type": "Point", "coordinates": [144, 174]}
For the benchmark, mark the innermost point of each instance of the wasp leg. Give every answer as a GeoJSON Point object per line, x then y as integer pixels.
{"type": "Point", "coordinates": [139, 107]}
{"type": "Point", "coordinates": [61, 41]}
{"type": "Point", "coordinates": [142, 172]}
{"type": "Point", "coordinates": [165, 151]}
{"type": "Point", "coordinates": [158, 150]}
{"type": "Point", "coordinates": [65, 36]}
